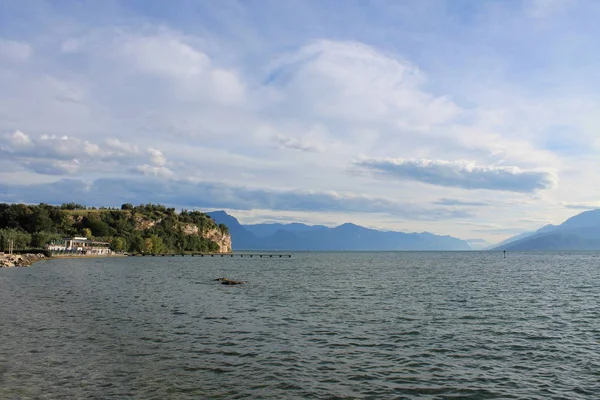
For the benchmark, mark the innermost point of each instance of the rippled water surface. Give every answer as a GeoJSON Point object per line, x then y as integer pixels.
{"type": "Point", "coordinates": [318, 325]}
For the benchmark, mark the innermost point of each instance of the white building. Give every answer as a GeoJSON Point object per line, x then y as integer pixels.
{"type": "Point", "coordinates": [80, 245]}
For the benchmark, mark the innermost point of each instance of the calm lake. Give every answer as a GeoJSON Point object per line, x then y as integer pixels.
{"type": "Point", "coordinates": [468, 325]}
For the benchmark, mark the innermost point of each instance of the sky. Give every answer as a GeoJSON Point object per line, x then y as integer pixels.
{"type": "Point", "coordinates": [476, 119]}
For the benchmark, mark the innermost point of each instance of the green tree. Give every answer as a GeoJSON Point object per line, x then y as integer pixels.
{"type": "Point", "coordinates": [40, 220]}
{"type": "Point", "coordinates": [40, 239]}
{"type": "Point", "coordinates": [72, 206]}
{"type": "Point", "coordinates": [118, 244]}
{"type": "Point", "coordinates": [87, 232]}
{"type": "Point", "coordinates": [157, 245]}
{"type": "Point", "coordinates": [224, 229]}
{"type": "Point", "coordinates": [21, 240]}
{"type": "Point", "coordinates": [98, 227]}
{"type": "Point", "coordinates": [136, 243]}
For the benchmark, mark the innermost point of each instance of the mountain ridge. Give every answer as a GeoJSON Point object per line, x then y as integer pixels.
{"type": "Point", "coordinates": [347, 236]}
{"type": "Point", "coordinates": [579, 232]}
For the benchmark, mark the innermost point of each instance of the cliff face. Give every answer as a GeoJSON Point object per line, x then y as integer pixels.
{"type": "Point", "coordinates": [212, 232]}
{"type": "Point", "coordinates": [223, 240]}
{"type": "Point", "coordinates": [220, 238]}
{"type": "Point", "coordinates": [142, 223]}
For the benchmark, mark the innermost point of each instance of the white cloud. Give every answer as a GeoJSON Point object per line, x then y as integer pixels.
{"type": "Point", "coordinates": [19, 139]}
{"type": "Point", "coordinates": [14, 51]}
{"type": "Point", "coordinates": [166, 62]}
{"type": "Point", "coordinates": [91, 149]}
{"type": "Point", "coordinates": [56, 155]}
{"type": "Point", "coordinates": [158, 171]}
{"type": "Point", "coordinates": [355, 82]}
{"type": "Point", "coordinates": [157, 157]}
{"type": "Point", "coordinates": [63, 147]}
{"type": "Point", "coordinates": [294, 143]}
{"type": "Point", "coordinates": [462, 174]}
{"type": "Point", "coordinates": [54, 167]}
{"type": "Point", "coordinates": [122, 147]}
{"type": "Point", "coordinates": [163, 53]}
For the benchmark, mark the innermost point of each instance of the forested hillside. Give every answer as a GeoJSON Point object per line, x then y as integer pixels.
{"type": "Point", "coordinates": [145, 228]}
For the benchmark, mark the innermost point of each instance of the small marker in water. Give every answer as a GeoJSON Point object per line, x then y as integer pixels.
{"type": "Point", "coordinates": [504, 253]}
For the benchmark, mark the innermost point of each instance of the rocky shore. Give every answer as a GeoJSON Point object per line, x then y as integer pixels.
{"type": "Point", "coordinates": [19, 260]}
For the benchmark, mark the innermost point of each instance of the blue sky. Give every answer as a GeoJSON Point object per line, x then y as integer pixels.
{"type": "Point", "coordinates": [471, 118]}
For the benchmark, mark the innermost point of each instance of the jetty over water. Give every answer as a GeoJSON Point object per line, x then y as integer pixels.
{"type": "Point", "coordinates": [248, 255]}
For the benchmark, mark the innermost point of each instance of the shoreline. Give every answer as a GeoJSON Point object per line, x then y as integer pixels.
{"type": "Point", "coordinates": [87, 256]}
{"type": "Point", "coordinates": [28, 259]}
{"type": "Point", "coordinates": [21, 260]}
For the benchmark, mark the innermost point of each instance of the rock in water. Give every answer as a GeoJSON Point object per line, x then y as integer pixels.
{"type": "Point", "coordinates": [226, 281]}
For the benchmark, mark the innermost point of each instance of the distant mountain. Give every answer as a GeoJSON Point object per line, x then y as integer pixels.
{"type": "Point", "coordinates": [348, 236]}
{"type": "Point", "coordinates": [585, 219]}
{"type": "Point", "coordinates": [580, 232]}
{"type": "Point", "coordinates": [514, 239]}
{"type": "Point", "coordinates": [263, 230]}
{"type": "Point", "coordinates": [546, 228]}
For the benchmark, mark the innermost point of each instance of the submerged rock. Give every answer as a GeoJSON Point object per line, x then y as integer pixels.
{"type": "Point", "coordinates": [227, 281]}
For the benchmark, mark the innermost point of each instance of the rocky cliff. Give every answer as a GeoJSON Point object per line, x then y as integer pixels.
{"type": "Point", "coordinates": [221, 238]}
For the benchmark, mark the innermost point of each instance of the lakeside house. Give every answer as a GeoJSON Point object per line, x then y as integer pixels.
{"type": "Point", "coordinates": [79, 245]}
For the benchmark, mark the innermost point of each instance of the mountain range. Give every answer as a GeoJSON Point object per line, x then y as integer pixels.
{"type": "Point", "coordinates": [297, 236]}
{"type": "Point", "coordinates": [580, 232]}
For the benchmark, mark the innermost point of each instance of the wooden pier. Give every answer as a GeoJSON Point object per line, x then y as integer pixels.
{"type": "Point", "coordinates": [248, 255]}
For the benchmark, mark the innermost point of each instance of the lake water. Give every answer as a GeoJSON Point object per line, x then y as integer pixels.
{"type": "Point", "coordinates": [408, 325]}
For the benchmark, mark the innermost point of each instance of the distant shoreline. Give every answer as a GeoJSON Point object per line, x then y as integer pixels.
{"type": "Point", "coordinates": [87, 256]}
{"type": "Point", "coordinates": [28, 259]}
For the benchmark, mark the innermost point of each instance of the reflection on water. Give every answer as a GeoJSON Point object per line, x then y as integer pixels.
{"type": "Point", "coordinates": [318, 325]}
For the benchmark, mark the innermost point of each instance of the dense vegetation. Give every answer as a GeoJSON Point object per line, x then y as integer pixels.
{"type": "Point", "coordinates": [149, 228]}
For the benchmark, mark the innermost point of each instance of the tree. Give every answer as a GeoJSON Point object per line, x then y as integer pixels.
{"type": "Point", "coordinates": [40, 221]}
{"type": "Point", "coordinates": [212, 246]}
{"type": "Point", "coordinates": [87, 232]}
{"type": "Point", "coordinates": [117, 244]}
{"type": "Point", "coordinates": [137, 244]}
{"type": "Point", "coordinates": [40, 239]}
{"type": "Point", "coordinates": [72, 206]}
{"type": "Point", "coordinates": [98, 227]}
{"type": "Point", "coordinates": [21, 240]}
{"type": "Point", "coordinates": [127, 206]}
{"type": "Point", "coordinates": [224, 229]}
{"type": "Point", "coordinates": [157, 245]}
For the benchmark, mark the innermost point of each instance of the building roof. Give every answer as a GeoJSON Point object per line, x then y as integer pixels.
{"type": "Point", "coordinates": [78, 239]}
